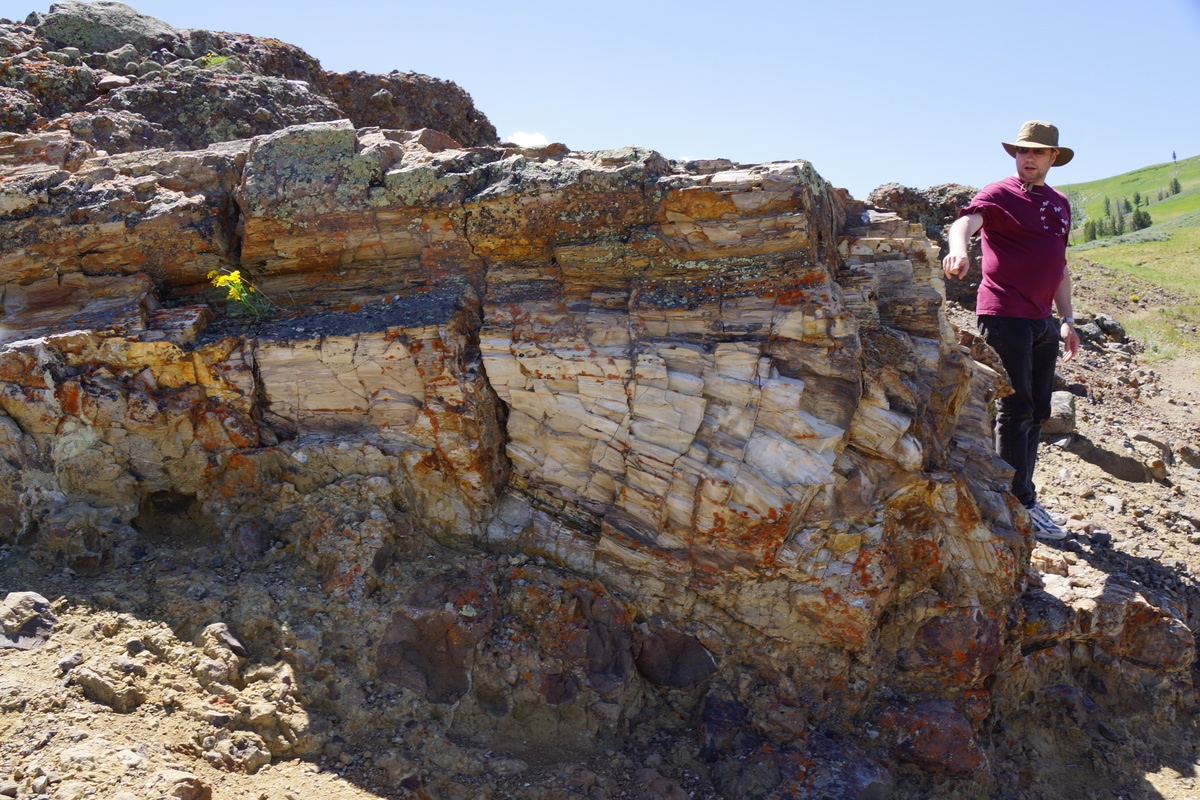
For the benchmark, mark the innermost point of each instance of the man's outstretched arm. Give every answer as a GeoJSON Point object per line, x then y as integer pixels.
{"type": "Point", "coordinates": [957, 263]}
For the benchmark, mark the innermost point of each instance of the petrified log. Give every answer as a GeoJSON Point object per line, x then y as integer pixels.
{"type": "Point", "coordinates": [694, 381]}
{"type": "Point", "coordinates": [722, 403]}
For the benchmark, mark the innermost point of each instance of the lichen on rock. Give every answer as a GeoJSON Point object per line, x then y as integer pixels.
{"type": "Point", "coordinates": [540, 449]}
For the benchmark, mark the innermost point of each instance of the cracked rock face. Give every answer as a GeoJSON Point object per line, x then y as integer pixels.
{"type": "Point", "coordinates": [697, 369]}
{"type": "Point", "coordinates": [728, 395]}
{"type": "Point", "coordinates": [697, 431]}
{"type": "Point", "coordinates": [700, 387]}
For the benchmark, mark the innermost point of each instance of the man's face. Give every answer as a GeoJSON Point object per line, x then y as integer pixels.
{"type": "Point", "coordinates": [1033, 163]}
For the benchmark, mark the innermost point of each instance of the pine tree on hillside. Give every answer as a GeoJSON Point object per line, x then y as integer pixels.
{"type": "Point", "coordinates": [1076, 208]}
{"type": "Point", "coordinates": [1175, 187]}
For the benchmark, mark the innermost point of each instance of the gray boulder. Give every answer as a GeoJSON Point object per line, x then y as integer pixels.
{"type": "Point", "coordinates": [198, 107]}
{"type": "Point", "coordinates": [1090, 332]}
{"type": "Point", "coordinates": [1111, 327]}
{"type": "Point", "coordinates": [26, 620]}
{"type": "Point", "coordinates": [1062, 415]}
{"type": "Point", "coordinates": [104, 25]}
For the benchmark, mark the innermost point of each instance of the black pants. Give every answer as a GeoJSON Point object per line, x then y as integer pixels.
{"type": "Point", "coordinates": [1028, 348]}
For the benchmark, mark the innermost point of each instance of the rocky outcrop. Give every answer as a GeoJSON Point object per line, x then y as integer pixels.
{"type": "Point", "coordinates": [698, 386]}
{"type": "Point", "coordinates": [549, 445]}
{"type": "Point", "coordinates": [124, 81]}
{"type": "Point", "coordinates": [103, 26]}
{"type": "Point", "coordinates": [408, 101]}
{"type": "Point", "coordinates": [934, 209]}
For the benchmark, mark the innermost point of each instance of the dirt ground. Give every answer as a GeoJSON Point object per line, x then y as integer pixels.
{"type": "Point", "coordinates": [1128, 479]}
{"type": "Point", "coordinates": [1142, 532]}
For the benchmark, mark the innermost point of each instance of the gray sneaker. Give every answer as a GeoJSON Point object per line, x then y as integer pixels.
{"type": "Point", "coordinates": [1046, 525]}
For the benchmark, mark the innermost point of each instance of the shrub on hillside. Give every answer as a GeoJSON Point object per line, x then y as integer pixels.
{"type": "Point", "coordinates": [1132, 238]}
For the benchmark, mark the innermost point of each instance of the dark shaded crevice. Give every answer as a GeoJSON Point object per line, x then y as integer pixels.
{"type": "Point", "coordinates": [234, 228]}
{"type": "Point", "coordinates": [167, 515]}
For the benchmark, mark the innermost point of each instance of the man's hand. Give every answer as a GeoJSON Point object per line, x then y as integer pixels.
{"type": "Point", "coordinates": [958, 239]}
{"type": "Point", "coordinates": [1070, 340]}
{"type": "Point", "coordinates": [956, 266]}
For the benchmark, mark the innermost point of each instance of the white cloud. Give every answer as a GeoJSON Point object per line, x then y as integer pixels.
{"type": "Point", "coordinates": [523, 139]}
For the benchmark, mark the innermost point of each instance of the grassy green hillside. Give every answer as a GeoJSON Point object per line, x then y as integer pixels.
{"type": "Point", "coordinates": [1165, 255]}
{"type": "Point", "coordinates": [1089, 197]}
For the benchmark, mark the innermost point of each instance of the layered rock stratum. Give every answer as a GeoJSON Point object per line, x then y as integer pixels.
{"type": "Point", "coordinates": [535, 451]}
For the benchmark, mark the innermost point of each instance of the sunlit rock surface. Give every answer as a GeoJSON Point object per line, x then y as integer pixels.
{"type": "Point", "coordinates": [721, 403]}
{"type": "Point", "coordinates": [694, 381]}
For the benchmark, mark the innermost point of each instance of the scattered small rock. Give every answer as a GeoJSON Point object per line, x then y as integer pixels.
{"type": "Point", "coordinates": [110, 82]}
{"type": "Point", "coordinates": [70, 662]}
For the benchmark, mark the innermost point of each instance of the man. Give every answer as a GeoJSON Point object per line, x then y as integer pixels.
{"type": "Point", "coordinates": [1025, 226]}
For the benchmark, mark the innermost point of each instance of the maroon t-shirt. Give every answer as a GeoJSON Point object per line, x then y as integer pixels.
{"type": "Point", "coordinates": [1024, 248]}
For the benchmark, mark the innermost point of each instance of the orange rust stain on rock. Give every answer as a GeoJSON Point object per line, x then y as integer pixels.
{"type": "Point", "coordinates": [760, 537]}
{"type": "Point", "coordinates": [698, 203]}
{"type": "Point", "coordinates": [919, 554]}
{"type": "Point", "coordinates": [874, 571]}
{"type": "Point", "coordinates": [70, 398]}
{"type": "Point", "coordinates": [965, 512]}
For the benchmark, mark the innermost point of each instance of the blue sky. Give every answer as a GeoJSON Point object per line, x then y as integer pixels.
{"type": "Point", "coordinates": [870, 92]}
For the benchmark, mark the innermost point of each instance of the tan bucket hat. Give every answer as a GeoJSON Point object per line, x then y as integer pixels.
{"type": "Point", "coordinates": [1036, 133]}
